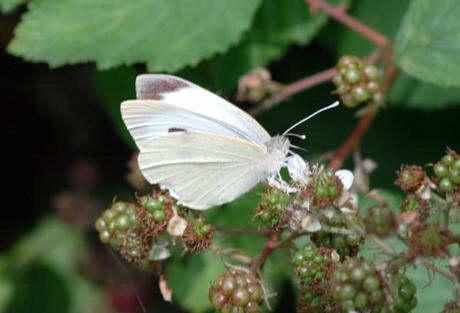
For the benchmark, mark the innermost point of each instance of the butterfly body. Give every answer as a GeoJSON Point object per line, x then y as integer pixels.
{"type": "Point", "coordinates": [203, 149]}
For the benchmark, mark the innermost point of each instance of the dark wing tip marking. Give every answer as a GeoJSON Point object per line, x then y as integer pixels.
{"type": "Point", "coordinates": [149, 87]}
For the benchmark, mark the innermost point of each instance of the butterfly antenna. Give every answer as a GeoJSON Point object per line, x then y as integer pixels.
{"type": "Point", "coordinates": [296, 135]}
{"type": "Point", "coordinates": [310, 116]}
{"type": "Point", "coordinates": [297, 147]}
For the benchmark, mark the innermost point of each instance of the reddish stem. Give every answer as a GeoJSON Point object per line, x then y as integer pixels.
{"type": "Point", "coordinates": [340, 15]}
{"type": "Point", "coordinates": [269, 246]}
{"type": "Point", "coordinates": [295, 87]}
{"type": "Point", "coordinates": [353, 140]}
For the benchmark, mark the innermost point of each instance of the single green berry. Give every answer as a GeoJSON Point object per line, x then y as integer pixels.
{"type": "Point", "coordinates": [122, 222]}
{"type": "Point", "coordinates": [440, 170]}
{"type": "Point", "coordinates": [346, 61]}
{"type": "Point", "coordinates": [119, 207]}
{"type": "Point", "coordinates": [447, 159]}
{"type": "Point", "coordinates": [372, 87]}
{"type": "Point", "coordinates": [456, 165]}
{"type": "Point", "coordinates": [352, 76]}
{"type": "Point", "coordinates": [361, 300]}
{"type": "Point", "coordinates": [159, 215]}
{"type": "Point", "coordinates": [376, 296]}
{"type": "Point", "coordinates": [348, 100]}
{"type": "Point", "coordinates": [358, 274]}
{"type": "Point", "coordinates": [104, 236]}
{"type": "Point", "coordinates": [240, 297]}
{"type": "Point", "coordinates": [371, 283]}
{"type": "Point", "coordinates": [337, 79]}
{"type": "Point", "coordinates": [228, 285]}
{"type": "Point", "coordinates": [152, 205]}
{"type": "Point", "coordinates": [348, 305]}
{"type": "Point", "coordinates": [347, 291]}
{"type": "Point", "coordinates": [454, 175]}
{"type": "Point", "coordinates": [109, 215]}
{"type": "Point", "coordinates": [445, 185]}
{"type": "Point", "coordinates": [371, 72]}
{"type": "Point", "coordinates": [342, 89]}
{"type": "Point", "coordinates": [100, 224]}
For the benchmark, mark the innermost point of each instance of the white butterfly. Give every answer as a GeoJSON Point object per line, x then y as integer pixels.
{"type": "Point", "coordinates": [200, 147]}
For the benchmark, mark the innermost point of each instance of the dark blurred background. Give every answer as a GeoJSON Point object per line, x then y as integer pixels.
{"type": "Point", "coordinates": [67, 121]}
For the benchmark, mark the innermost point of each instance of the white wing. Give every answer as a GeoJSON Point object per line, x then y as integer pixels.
{"type": "Point", "coordinates": [202, 170]}
{"type": "Point", "coordinates": [346, 177]}
{"type": "Point", "coordinates": [184, 94]}
{"type": "Point", "coordinates": [147, 119]}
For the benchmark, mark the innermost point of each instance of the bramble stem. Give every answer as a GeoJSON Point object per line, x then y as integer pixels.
{"type": "Point", "coordinates": [269, 246]}
{"type": "Point", "coordinates": [353, 140]}
{"type": "Point", "coordinates": [243, 231]}
{"type": "Point", "coordinates": [293, 88]}
{"type": "Point", "coordinates": [340, 15]}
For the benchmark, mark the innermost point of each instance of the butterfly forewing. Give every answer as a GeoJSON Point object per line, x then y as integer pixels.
{"type": "Point", "coordinates": [182, 93]}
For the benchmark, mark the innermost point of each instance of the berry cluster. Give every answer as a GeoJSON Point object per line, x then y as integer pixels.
{"type": "Point", "coordinates": [405, 300]}
{"type": "Point", "coordinates": [357, 81]}
{"type": "Point", "coordinates": [344, 244]}
{"type": "Point", "coordinates": [272, 208]}
{"type": "Point", "coordinates": [447, 172]}
{"type": "Point", "coordinates": [323, 189]}
{"type": "Point", "coordinates": [118, 227]}
{"type": "Point", "coordinates": [313, 267]}
{"type": "Point", "coordinates": [236, 292]}
{"type": "Point", "coordinates": [356, 286]}
{"type": "Point", "coordinates": [411, 178]}
{"type": "Point", "coordinates": [414, 203]}
{"type": "Point", "coordinates": [381, 221]}
{"type": "Point", "coordinates": [430, 239]}
{"type": "Point", "coordinates": [197, 236]}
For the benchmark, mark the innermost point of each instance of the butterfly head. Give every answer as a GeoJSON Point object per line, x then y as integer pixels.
{"type": "Point", "coordinates": [277, 148]}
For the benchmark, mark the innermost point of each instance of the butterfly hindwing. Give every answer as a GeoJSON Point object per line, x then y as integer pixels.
{"type": "Point", "coordinates": [202, 170]}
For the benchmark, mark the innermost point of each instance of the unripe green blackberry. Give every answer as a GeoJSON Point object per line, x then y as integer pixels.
{"type": "Point", "coordinates": [236, 291]}
{"type": "Point", "coordinates": [381, 222]}
{"type": "Point", "coordinates": [414, 203]}
{"type": "Point", "coordinates": [272, 208]}
{"type": "Point", "coordinates": [430, 239]}
{"type": "Point", "coordinates": [154, 213]}
{"type": "Point", "coordinates": [323, 188]}
{"type": "Point", "coordinates": [345, 245]}
{"type": "Point", "coordinates": [198, 235]}
{"type": "Point", "coordinates": [356, 285]}
{"type": "Point", "coordinates": [447, 173]}
{"type": "Point", "coordinates": [356, 81]}
{"type": "Point", "coordinates": [405, 300]}
{"type": "Point", "coordinates": [411, 178]}
{"type": "Point", "coordinates": [313, 267]}
{"type": "Point", "coordinates": [118, 227]}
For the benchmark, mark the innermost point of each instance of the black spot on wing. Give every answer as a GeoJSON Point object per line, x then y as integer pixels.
{"type": "Point", "coordinates": [152, 87]}
{"type": "Point", "coordinates": [175, 130]}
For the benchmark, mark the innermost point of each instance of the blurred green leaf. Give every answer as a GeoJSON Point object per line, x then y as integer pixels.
{"type": "Point", "coordinates": [275, 27]}
{"type": "Point", "coordinates": [428, 43]}
{"type": "Point", "coordinates": [374, 13]}
{"type": "Point", "coordinates": [412, 93]}
{"type": "Point", "coordinates": [166, 34]}
{"type": "Point", "coordinates": [190, 277]}
{"type": "Point", "coordinates": [46, 260]}
{"type": "Point", "coordinates": [7, 6]}
{"type": "Point", "coordinates": [115, 86]}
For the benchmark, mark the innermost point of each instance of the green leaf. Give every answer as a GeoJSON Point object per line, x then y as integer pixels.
{"type": "Point", "coordinates": [190, 277]}
{"type": "Point", "coordinates": [428, 43]}
{"type": "Point", "coordinates": [115, 86]}
{"type": "Point", "coordinates": [413, 93]}
{"type": "Point", "coordinates": [46, 259]}
{"type": "Point", "coordinates": [165, 34]}
{"type": "Point", "coordinates": [7, 6]}
{"type": "Point", "coordinates": [374, 13]}
{"type": "Point", "coordinates": [275, 27]}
